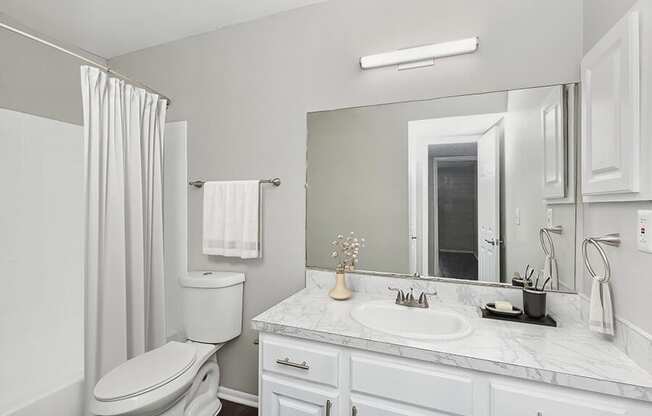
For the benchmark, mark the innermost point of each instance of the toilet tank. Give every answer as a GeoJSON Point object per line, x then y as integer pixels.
{"type": "Point", "coordinates": [212, 305]}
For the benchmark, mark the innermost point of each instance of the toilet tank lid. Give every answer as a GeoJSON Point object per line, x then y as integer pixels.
{"type": "Point", "coordinates": [211, 279]}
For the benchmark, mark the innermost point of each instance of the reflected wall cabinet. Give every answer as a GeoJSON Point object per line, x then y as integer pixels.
{"type": "Point", "coordinates": [611, 137]}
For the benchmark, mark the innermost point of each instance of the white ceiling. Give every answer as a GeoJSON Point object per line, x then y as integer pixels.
{"type": "Point", "coordinates": [114, 27]}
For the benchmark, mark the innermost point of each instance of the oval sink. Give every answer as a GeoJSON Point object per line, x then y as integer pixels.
{"type": "Point", "coordinates": [416, 323]}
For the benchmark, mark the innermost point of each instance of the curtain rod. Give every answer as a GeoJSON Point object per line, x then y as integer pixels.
{"type": "Point", "coordinates": [103, 67]}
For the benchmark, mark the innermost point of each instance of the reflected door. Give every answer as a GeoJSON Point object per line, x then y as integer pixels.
{"type": "Point", "coordinates": [489, 205]}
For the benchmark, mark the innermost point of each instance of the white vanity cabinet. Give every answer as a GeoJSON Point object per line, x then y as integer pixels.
{"type": "Point", "coordinates": [307, 378]}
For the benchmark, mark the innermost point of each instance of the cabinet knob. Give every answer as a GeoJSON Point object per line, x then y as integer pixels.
{"type": "Point", "coordinates": [539, 413]}
{"type": "Point", "coordinates": [328, 407]}
{"type": "Point", "coordinates": [354, 411]}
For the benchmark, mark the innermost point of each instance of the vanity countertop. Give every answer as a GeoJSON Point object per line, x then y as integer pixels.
{"type": "Point", "coordinates": [565, 356]}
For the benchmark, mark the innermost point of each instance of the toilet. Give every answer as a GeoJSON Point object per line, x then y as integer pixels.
{"type": "Point", "coordinates": [179, 378]}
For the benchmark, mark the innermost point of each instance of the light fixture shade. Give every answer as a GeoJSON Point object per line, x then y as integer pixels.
{"type": "Point", "coordinates": [420, 53]}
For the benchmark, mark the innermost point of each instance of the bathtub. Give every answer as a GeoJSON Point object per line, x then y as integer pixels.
{"type": "Point", "coordinates": [64, 401]}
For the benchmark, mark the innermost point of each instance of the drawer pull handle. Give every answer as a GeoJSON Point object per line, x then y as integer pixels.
{"type": "Point", "coordinates": [286, 361]}
{"type": "Point", "coordinates": [354, 411]}
{"type": "Point", "coordinates": [328, 407]}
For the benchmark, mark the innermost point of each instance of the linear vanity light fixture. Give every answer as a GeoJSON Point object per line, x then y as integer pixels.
{"type": "Point", "coordinates": [421, 55]}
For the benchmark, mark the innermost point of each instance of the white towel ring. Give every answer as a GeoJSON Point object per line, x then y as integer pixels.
{"type": "Point", "coordinates": [603, 255]}
{"type": "Point", "coordinates": [548, 249]}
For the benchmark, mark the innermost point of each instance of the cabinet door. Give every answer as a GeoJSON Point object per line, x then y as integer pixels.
{"type": "Point", "coordinates": [285, 397]}
{"type": "Point", "coordinates": [373, 406]}
{"type": "Point", "coordinates": [519, 400]}
{"type": "Point", "coordinates": [554, 144]}
{"type": "Point", "coordinates": [611, 111]}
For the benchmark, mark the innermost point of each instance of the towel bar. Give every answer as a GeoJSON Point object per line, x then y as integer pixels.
{"type": "Point", "coordinates": [274, 181]}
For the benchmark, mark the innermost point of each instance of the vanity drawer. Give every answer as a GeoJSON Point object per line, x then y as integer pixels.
{"type": "Point", "coordinates": [523, 400]}
{"type": "Point", "coordinates": [421, 384]}
{"type": "Point", "coordinates": [301, 359]}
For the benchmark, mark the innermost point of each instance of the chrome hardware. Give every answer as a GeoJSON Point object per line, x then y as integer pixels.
{"type": "Point", "coordinates": [493, 242]}
{"type": "Point", "coordinates": [286, 361]}
{"type": "Point", "coordinates": [354, 411]}
{"type": "Point", "coordinates": [539, 413]}
{"type": "Point", "coordinates": [400, 295]}
{"type": "Point", "coordinates": [609, 239]}
{"type": "Point", "coordinates": [423, 298]}
{"type": "Point", "coordinates": [328, 407]}
{"type": "Point", "coordinates": [409, 300]}
{"type": "Point", "coordinates": [200, 183]}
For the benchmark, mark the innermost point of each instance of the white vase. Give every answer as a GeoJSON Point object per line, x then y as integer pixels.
{"type": "Point", "coordinates": [340, 291]}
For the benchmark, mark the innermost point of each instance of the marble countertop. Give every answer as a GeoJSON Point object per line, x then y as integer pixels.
{"type": "Point", "coordinates": [564, 356]}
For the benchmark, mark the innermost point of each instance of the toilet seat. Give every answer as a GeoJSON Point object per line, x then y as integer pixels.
{"type": "Point", "coordinates": [146, 372]}
{"type": "Point", "coordinates": [165, 386]}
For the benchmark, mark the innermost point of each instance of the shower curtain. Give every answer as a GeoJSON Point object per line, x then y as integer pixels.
{"type": "Point", "coordinates": [124, 285]}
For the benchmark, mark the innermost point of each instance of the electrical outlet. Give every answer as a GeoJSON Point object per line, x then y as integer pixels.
{"type": "Point", "coordinates": [549, 217]}
{"type": "Point", "coordinates": [644, 230]}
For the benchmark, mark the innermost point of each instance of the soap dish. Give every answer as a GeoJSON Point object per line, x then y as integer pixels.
{"type": "Point", "coordinates": [545, 321]}
{"type": "Point", "coordinates": [491, 307]}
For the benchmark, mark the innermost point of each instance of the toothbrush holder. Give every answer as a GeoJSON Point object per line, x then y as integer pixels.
{"type": "Point", "coordinates": [534, 303]}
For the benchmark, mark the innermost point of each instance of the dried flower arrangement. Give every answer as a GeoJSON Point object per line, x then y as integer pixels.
{"type": "Point", "coordinates": [347, 250]}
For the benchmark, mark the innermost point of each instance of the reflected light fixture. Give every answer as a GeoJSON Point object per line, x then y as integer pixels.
{"type": "Point", "coordinates": [420, 55]}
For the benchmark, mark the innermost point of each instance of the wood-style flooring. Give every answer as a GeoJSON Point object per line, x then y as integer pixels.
{"type": "Point", "coordinates": [235, 409]}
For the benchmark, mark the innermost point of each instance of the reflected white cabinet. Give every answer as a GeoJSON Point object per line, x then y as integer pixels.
{"type": "Point", "coordinates": [306, 378]}
{"type": "Point", "coordinates": [554, 144]}
{"type": "Point", "coordinates": [611, 142]}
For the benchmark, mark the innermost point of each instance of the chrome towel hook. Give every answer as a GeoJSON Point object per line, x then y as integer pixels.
{"type": "Point", "coordinates": [609, 239]}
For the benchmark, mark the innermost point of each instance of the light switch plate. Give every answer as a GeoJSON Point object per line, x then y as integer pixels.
{"type": "Point", "coordinates": [549, 218]}
{"type": "Point", "coordinates": [644, 231]}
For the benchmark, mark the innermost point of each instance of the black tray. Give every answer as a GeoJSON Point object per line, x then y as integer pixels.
{"type": "Point", "coordinates": [545, 321]}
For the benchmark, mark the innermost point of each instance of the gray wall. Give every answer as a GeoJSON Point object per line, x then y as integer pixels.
{"type": "Point", "coordinates": [598, 16]}
{"type": "Point", "coordinates": [358, 176]}
{"type": "Point", "coordinates": [38, 80]}
{"type": "Point", "coordinates": [245, 91]}
{"type": "Point", "coordinates": [631, 283]}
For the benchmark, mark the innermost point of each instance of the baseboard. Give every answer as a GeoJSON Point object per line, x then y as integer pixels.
{"type": "Point", "coordinates": [237, 396]}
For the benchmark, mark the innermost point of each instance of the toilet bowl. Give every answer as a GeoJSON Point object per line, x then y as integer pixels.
{"type": "Point", "coordinates": [179, 378]}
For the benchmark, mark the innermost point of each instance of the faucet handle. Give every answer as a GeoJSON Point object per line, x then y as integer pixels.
{"type": "Point", "coordinates": [400, 295]}
{"type": "Point", "coordinates": [423, 298]}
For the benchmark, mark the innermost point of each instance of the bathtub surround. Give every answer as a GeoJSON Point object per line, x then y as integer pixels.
{"type": "Point", "coordinates": [41, 301]}
{"type": "Point", "coordinates": [245, 91]}
{"type": "Point", "coordinates": [123, 265]}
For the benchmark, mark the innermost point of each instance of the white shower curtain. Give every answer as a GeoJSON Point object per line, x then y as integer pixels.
{"type": "Point", "coordinates": [124, 290]}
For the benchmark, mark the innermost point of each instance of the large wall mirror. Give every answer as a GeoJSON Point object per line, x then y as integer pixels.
{"type": "Point", "coordinates": [472, 188]}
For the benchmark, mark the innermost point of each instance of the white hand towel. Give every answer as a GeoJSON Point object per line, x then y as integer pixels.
{"type": "Point", "coordinates": [601, 318]}
{"type": "Point", "coordinates": [550, 270]}
{"type": "Point", "coordinates": [232, 219]}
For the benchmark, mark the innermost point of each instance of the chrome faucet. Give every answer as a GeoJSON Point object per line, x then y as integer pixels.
{"type": "Point", "coordinates": [409, 300]}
